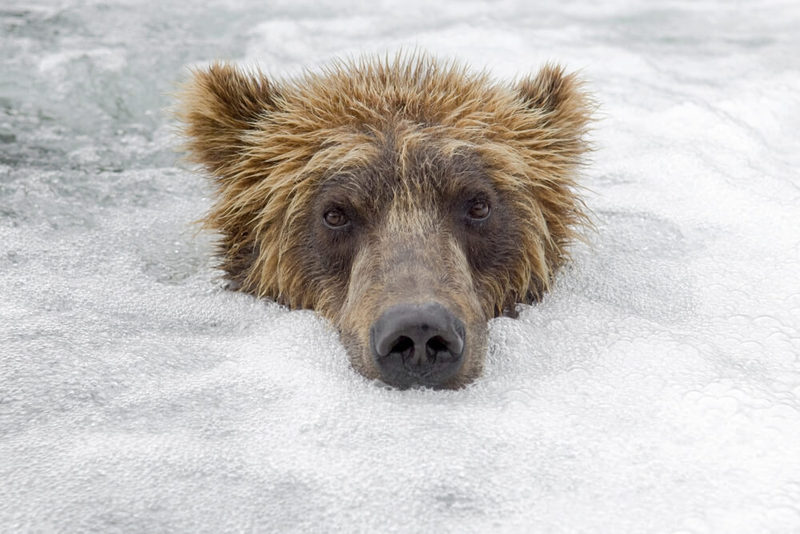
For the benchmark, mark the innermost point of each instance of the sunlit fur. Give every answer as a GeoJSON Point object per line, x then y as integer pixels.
{"type": "Point", "coordinates": [271, 145]}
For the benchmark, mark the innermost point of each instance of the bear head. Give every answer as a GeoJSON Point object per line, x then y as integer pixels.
{"type": "Point", "coordinates": [407, 200]}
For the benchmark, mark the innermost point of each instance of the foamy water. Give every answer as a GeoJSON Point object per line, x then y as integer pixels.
{"type": "Point", "coordinates": [655, 389]}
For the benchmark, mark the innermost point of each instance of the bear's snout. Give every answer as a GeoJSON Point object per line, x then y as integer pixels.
{"type": "Point", "coordinates": [418, 344]}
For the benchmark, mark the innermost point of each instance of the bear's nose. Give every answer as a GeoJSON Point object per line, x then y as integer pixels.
{"type": "Point", "coordinates": [417, 344]}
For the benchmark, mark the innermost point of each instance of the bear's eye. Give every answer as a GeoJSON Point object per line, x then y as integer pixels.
{"type": "Point", "coordinates": [335, 218]}
{"type": "Point", "coordinates": [478, 210]}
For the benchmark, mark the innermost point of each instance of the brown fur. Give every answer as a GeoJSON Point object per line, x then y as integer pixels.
{"type": "Point", "coordinates": [397, 142]}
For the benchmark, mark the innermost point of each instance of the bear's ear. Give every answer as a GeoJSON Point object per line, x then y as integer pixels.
{"type": "Point", "coordinates": [218, 106]}
{"type": "Point", "coordinates": [560, 101]}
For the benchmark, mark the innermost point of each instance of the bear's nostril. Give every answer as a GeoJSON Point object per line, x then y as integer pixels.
{"type": "Point", "coordinates": [436, 345]}
{"type": "Point", "coordinates": [404, 346]}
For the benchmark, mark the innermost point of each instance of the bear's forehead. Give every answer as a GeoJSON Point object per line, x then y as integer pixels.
{"type": "Point", "coordinates": [422, 168]}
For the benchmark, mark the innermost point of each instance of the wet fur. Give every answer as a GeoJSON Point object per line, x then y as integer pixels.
{"type": "Point", "coordinates": [403, 144]}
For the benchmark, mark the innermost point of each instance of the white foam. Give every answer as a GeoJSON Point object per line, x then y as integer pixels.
{"type": "Point", "coordinates": [655, 389]}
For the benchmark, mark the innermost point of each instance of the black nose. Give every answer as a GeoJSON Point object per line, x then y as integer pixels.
{"type": "Point", "coordinates": [417, 344]}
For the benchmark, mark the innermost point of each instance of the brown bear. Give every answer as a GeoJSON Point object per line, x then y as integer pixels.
{"type": "Point", "coordinates": [408, 200]}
